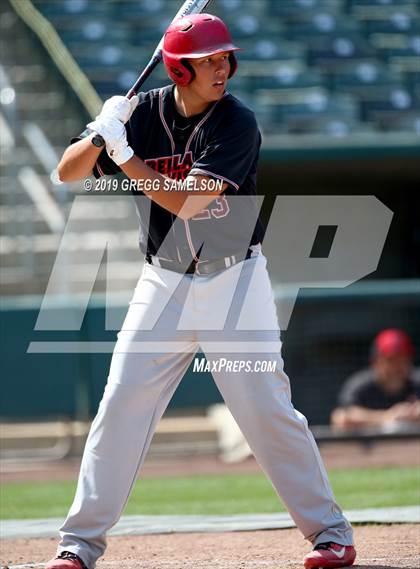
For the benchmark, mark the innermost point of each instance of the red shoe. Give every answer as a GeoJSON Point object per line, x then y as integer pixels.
{"type": "Point", "coordinates": [330, 555]}
{"type": "Point", "coordinates": [66, 560]}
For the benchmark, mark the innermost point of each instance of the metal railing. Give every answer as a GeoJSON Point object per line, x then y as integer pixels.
{"type": "Point", "coordinates": [58, 52]}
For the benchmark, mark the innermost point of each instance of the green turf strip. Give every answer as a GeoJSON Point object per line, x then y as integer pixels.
{"type": "Point", "coordinates": [230, 494]}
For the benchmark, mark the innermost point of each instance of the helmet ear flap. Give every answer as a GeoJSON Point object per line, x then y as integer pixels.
{"type": "Point", "coordinates": [185, 63]}
{"type": "Point", "coordinates": [176, 71]}
{"type": "Point", "coordinates": [233, 64]}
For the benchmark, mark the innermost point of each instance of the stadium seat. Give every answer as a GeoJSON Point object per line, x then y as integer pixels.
{"type": "Point", "coordinates": [148, 29]}
{"type": "Point", "coordinates": [339, 48]}
{"type": "Point", "coordinates": [354, 4]}
{"type": "Point", "coordinates": [119, 78]}
{"type": "Point", "coordinates": [130, 10]}
{"type": "Point", "coordinates": [362, 77]}
{"type": "Point", "coordinates": [108, 56]}
{"type": "Point", "coordinates": [273, 73]}
{"type": "Point", "coordinates": [373, 10]}
{"type": "Point", "coordinates": [397, 45]}
{"type": "Point", "coordinates": [232, 10]}
{"type": "Point", "coordinates": [235, 5]}
{"type": "Point", "coordinates": [311, 26]}
{"type": "Point", "coordinates": [244, 25]}
{"type": "Point", "coordinates": [74, 33]}
{"type": "Point", "coordinates": [393, 24]}
{"type": "Point", "coordinates": [331, 126]}
{"type": "Point", "coordinates": [55, 11]}
{"type": "Point", "coordinates": [412, 80]}
{"type": "Point", "coordinates": [287, 75]}
{"type": "Point", "coordinates": [409, 122]}
{"type": "Point", "coordinates": [153, 82]}
{"type": "Point", "coordinates": [271, 49]}
{"type": "Point", "coordinates": [389, 19]}
{"type": "Point", "coordinates": [391, 41]}
{"type": "Point", "coordinates": [289, 9]}
{"type": "Point", "coordinates": [308, 103]}
{"type": "Point", "coordinates": [392, 102]}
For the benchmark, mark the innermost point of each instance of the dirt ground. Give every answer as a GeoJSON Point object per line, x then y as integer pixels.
{"type": "Point", "coordinates": [379, 547]}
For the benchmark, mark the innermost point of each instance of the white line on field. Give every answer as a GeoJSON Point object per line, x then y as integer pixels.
{"type": "Point", "coordinates": [22, 566]}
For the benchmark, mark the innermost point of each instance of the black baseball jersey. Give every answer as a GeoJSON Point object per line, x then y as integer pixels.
{"type": "Point", "coordinates": [363, 389]}
{"type": "Point", "coordinates": [222, 143]}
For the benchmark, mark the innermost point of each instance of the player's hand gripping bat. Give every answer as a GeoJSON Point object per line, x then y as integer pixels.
{"type": "Point", "coordinates": [189, 7]}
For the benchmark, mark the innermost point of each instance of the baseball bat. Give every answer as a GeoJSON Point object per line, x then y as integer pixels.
{"type": "Point", "coordinates": [188, 7]}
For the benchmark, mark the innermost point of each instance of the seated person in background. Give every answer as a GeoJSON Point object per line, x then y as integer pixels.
{"type": "Point", "coordinates": [386, 394]}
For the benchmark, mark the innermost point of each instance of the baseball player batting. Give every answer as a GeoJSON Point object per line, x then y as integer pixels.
{"type": "Point", "coordinates": [200, 257]}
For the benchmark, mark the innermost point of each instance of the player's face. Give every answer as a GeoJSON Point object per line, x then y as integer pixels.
{"type": "Point", "coordinates": [392, 371]}
{"type": "Point", "coordinates": [211, 76]}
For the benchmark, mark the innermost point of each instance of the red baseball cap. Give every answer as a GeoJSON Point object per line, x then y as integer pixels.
{"type": "Point", "coordinates": [392, 342]}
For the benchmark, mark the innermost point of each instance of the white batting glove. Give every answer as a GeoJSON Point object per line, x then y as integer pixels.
{"type": "Point", "coordinates": [119, 108]}
{"type": "Point", "coordinates": [109, 128]}
{"type": "Point", "coordinates": [119, 150]}
{"type": "Point", "coordinates": [115, 136]}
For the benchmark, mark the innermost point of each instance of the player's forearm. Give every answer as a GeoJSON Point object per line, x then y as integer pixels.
{"type": "Point", "coordinates": [78, 160]}
{"type": "Point", "coordinates": [354, 417]}
{"type": "Point", "coordinates": [176, 197]}
{"type": "Point", "coordinates": [136, 169]}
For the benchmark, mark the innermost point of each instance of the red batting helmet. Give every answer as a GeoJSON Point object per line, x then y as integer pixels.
{"type": "Point", "coordinates": [392, 342]}
{"type": "Point", "coordinates": [195, 36]}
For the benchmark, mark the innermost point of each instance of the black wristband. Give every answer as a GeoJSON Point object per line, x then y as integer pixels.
{"type": "Point", "coordinates": [98, 141]}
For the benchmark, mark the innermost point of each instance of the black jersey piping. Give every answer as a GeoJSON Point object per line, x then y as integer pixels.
{"type": "Point", "coordinates": [165, 125]}
{"type": "Point", "coordinates": [200, 124]}
{"type": "Point", "coordinates": [217, 176]}
{"type": "Point", "coordinates": [190, 242]}
{"type": "Point", "coordinates": [100, 171]}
